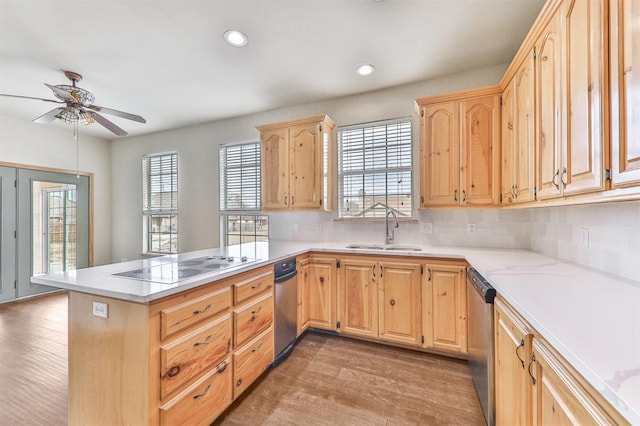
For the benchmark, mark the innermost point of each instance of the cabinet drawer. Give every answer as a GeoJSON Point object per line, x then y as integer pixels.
{"type": "Point", "coordinates": [186, 358]}
{"type": "Point", "coordinates": [252, 360]}
{"type": "Point", "coordinates": [203, 401]}
{"type": "Point", "coordinates": [253, 286]}
{"type": "Point", "coordinates": [252, 319]}
{"type": "Point", "coordinates": [179, 317]}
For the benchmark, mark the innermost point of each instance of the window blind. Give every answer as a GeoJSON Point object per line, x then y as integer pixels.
{"type": "Point", "coordinates": [375, 164]}
{"type": "Point", "coordinates": [160, 183]}
{"type": "Point", "coordinates": [240, 177]}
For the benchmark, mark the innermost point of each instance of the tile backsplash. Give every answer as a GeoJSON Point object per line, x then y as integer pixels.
{"type": "Point", "coordinates": [604, 237]}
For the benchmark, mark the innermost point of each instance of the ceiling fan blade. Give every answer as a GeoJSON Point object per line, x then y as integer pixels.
{"type": "Point", "coordinates": [62, 93]}
{"type": "Point", "coordinates": [117, 113]}
{"type": "Point", "coordinates": [49, 117]}
{"type": "Point", "coordinates": [30, 97]}
{"type": "Point", "coordinates": [106, 123]}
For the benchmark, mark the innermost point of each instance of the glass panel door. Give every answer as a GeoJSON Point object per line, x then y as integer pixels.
{"type": "Point", "coordinates": [7, 230]}
{"type": "Point", "coordinates": [53, 226]}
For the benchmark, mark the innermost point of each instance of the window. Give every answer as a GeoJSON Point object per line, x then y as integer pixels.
{"type": "Point", "coordinates": [240, 195]}
{"type": "Point", "coordinates": [375, 169]}
{"type": "Point", "coordinates": [160, 202]}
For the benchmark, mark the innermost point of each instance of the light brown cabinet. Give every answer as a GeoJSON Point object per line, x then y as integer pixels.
{"type": "Point", "coordinates": [518, 136]}
{"type": "Point", "coordinates": [316, 293]}
{"type": "Point", "coordinates": [625, 92]}
{"type": "Point", "coordinates": [380, 299]}
{"type": "Point", "coordinates": [571, 57]}
{"type": "Point", "coordinates": [296, 166]}
{"type": "Point", "coordinates": [444, 306]}
{"type": "Point", "coordinates": [512, 353]}
{"type": "Point", "coordinates": [184, 358]}
{"type": "Point", "coordinates": [460, 148]}
{"type": "Point", "coordinates": [535, 385]}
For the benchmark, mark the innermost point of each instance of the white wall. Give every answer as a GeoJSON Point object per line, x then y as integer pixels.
{"type": "Point", "coordinates": [24, 142]}
{"type": "Point", "coordinates": [197, 148]}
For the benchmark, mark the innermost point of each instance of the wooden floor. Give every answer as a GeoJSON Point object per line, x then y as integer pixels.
{"type": "Point", "coordinates": [332, 381]}
{"type": "Point", "coordinates": [33, 361]}
{"type": "Point", "coordinates": [326, 381]}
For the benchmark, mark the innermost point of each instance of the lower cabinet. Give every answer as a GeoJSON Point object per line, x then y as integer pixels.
{"type": "Point", "coordinates": [316, 293]}
{"type": "Point", "coordinates": [444, 305]}
{"type": "Point", "coordinates": [175, 361]}
{"type": "Point", "coordinates": [380, 299]}
{"type": "Point", "coordinates": [535, 385]}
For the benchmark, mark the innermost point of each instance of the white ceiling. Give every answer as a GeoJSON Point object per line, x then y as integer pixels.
{"type": "Point", "coordinates": [166, 59]}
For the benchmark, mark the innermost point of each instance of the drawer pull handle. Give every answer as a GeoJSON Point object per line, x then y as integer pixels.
{"type": "Point", "coordinates": [173, 371]}
{"type": "Point", "coordinates": [201, 311]}
{"type": "Point", "coordinates": [196, 396]}
{"type": "Point", "coordinates": [252, 319]}
{"type": "Point", "coordinates": [253, 287]}
{"type": "Point", "coordinates": [521, 345]}
{"type": "Point", "coordinates": [392, 302]}
{"type": "Point", "coordinates": [222, 367]}
{"type": "Point", "coordinates": [257, 310]}
{"type": "Point", "coordinates": [257, 349]}
{"type": "Point", "coordinates": [533, 359]}
{"type": "Point", "coordinates": [206, 341]}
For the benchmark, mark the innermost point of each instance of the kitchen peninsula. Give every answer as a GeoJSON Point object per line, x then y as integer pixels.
{"type": "Point", "coordinates": [590, 320]}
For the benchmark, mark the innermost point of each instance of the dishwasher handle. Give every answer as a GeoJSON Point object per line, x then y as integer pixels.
{"type": "Point", "coordinates": [481, 286]}
{"type": "Point", "coordinates": [286, 277]}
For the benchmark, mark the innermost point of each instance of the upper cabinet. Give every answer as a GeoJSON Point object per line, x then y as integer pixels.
{"type": "Point", "coordinates": [459, 148]}
{"type": "Point", "coordinates": [296, 164]}
{"type": "Point", "coordinates": [571, 58]}
{"type": "Point", "coordinates": [518, 135]}
{"type": "Point", "coordinates": [625, 91]}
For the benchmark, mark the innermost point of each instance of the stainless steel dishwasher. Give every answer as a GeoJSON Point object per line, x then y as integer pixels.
{"type": "Point", "coordinates": [480, 340]}
{"type": "Point", "coordinates": [286, 308]}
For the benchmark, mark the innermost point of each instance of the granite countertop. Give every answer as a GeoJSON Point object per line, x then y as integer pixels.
{"type": "Point", "coordinates": [592, 319]}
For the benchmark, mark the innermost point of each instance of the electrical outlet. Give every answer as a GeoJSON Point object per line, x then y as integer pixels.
{"type": "Point", "coordinates": [100, 309]}
{"type": "Point", "coordinates": [426, 227]}
{"type": "Point", "coordinates": [585, 237]}
{"type": "Point", "coordinates": [471, 228]}
{"type": "Point", "coordinates": [318, 227]}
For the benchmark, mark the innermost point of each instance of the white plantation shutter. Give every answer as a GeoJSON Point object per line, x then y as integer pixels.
{"type": "Point", "coordinates": [375, 165]}
{"type": "Point", "coordinates": [240, 177]}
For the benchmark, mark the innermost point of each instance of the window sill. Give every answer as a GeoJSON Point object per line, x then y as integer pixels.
{"type": "Point", "coordinates": [373, 220]}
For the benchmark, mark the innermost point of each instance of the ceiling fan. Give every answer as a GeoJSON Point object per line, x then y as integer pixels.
{"type": "Point", "coordinates": [79, 106]}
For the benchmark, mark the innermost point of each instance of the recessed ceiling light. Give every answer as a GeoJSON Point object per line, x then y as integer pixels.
{"type": "Point", "coordinates": [235, 38]}
{"type": "Point", "coordinates": [365, 69]}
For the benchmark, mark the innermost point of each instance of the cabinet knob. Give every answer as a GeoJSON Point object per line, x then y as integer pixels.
{"type": "Point", "coordinates": [321, 280]}
{"type": "Point", "coordinates": [392, 302]}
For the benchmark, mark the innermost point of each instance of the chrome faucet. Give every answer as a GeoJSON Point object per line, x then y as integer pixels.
{"type": "Point", "coordinates": [389, 235]}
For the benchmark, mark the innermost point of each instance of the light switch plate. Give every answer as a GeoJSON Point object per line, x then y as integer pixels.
{"type": "Point", "coordinates": [471, 228]}
{"type": "Point", "coordinates": [426, 227]}
{"type": "Point", "coordinates": [585, 237]}
{"type": "Point", "coordinates": [100, 309]}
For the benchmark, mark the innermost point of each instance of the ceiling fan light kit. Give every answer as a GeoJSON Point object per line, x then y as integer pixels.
{"type": "Point", "coordinates": [79, 106]}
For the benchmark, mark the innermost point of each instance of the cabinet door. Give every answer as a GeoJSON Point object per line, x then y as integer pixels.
{"type": "Point", "coordinates": [508, 136]}
{"type": "Point", "coordinates": [512, 351]}
{"type": "Point", "coordinates": [583, 168]}
{"type": "Point", "coordinates": [322, 275]}
{"type": "Point", "coordinates": [399, 302]}
{"type": "Point", "coordinates": [445, 306]}
{"type": "Point", "coordinates": [275, 169]}
{"type": "Point", "coordinates": [305, 183]}
{"type": "Point", "coordinates": [625, 92]}
{"type": "Point", "coordinates": [480, 150]}
{"type": "Point", "coordinates": [440, 155]}
{"type": "Point", "coordinates": [303, 295]}
{"type": "Point", "coordinates": [549, 98]}
{"type": "Point", "coordinates": [557, 398]}
{"type": "Point", "coordinates": [525, 132]}
{"type": "Point", "coordinates": [358, 297]}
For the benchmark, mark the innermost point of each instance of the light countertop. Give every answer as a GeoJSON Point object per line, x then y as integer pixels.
{"type": "Point", "coordinates": [592, 319]}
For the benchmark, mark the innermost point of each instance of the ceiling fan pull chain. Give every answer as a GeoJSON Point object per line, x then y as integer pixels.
{"type": "Point", "coordinates": [75, 135]}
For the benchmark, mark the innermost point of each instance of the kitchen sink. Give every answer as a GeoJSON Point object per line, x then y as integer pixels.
{"type": "Point", "coordinates": [382, 247]}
